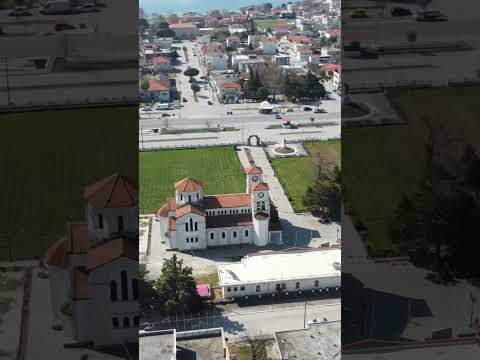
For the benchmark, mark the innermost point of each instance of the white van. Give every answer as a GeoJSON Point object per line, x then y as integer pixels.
{"type": "Point", "coordinates": [56, 7]}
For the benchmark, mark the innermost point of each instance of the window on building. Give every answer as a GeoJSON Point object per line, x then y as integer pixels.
{"type": "Point", "coordinates": [135, 289]}
{"type": "Point", "coordinates": [186, 226]}
{"type": "Point", "coordinates": [191, 224]}
{"type": "Point", "coordinates": [284, 286]}
{"type": "Point", "coordinates": [126, 322]}
{"type": "Point", "coordinates": [136, 321]}
{"type": "Point", "coordinates": [123, 277]}
{"type": "Point", "coordinates": [196, 239]}
{"type": "Point", "coordinates": [198, 197]}
{"type": "Point", "coordinates": [316, 283]}
{"type": "Point", "coordinates": [196, 226]}
{"type": "Point", "coordinates": [120, 224]}
{"type": "Point", "coordinates": [115, 322]}
{"type": "Point", "coordinates": [257, 288]}
{"type": "Point", "coordinates": [242, 288]}
{"type": "Point", "coordinates": [212, 235]}
{"type": "Point", "coordinates": [297, 285]}
{"type": "Point", "coordinates": [235, 288]}
{"type": "Point", "coordinates": [229, 289]}
{"type": "Point", "coordinates": [181, 197]}
{"type": "Point", "coordinates": [113, 290]}
{"type": "Point", "coordinates": [223, 235]}
{"type": "Point", "coordinates": [263, 205]}
{"type": "Point", "coordinates": [277, 287]}
{"type": "Point", "coordinates": [189, 198]}
{"type": "Point", "coordinates": [187, 240]}
{"type": "Point", "coordinates": [100, 221]}
{"type": "Point", "coordinates": [246, 233]}
{"type": "Point", "coordinates": [234, 234]}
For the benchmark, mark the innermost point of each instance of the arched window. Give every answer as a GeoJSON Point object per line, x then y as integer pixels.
{"type": "Point", "coordinates": [113, 290]}
{"type": "Point", "coordinates": [135, 289]}
{"type": "Point", "coordinates": [120, 224]}
{"type": "Point", "coordinates": [123, 276]}
{"type": "Point", "coordinates": [181, 197]}
{"type": "Point", "coordinates": [191, 224]}
{"type": "Point", "coordinates": [198, 197]}
{"type": "Point", "coordinates": [136, 321]}
{"type": "Point", "coordinates": [100, 221]}
{"type": "Point", "coordinates": [115, 322]}
{"type": "Point", "coordinates": [126, 322]}
{"type": "Point", "coordinates": [189, 198]}
{"type": "Point", "coordinates": [196, 226]}
{"type": "Point", "coordinates": [186, 226]}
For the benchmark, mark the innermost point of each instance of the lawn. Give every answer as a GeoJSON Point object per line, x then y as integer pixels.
{"type": "Point", "coordinates": [218, 168]}
{"type": "Point", "coordinates": [46, 159]}
{"type": "Point", "coordinates": [268, 23]}
{"type": "Point", "coordinates": [380, 164]}
{"type": "Point", "coordinates": [297, 174]}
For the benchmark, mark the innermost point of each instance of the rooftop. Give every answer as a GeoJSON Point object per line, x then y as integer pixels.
{"type": "Point", "coordinates": [200, 348]}
{"type": "Point", "coordinates": [188, 184]}
{"type": "Point", "coordinates": [273, 266]}
{"type": "Point", "coordinates": [157, 345]}
{"type": "Point", "coordinates": [320, 342]}
{"type": "Point", "coordinates": [115, 191]}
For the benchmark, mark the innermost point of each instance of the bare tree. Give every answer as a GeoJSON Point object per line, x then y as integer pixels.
{"type": "Point", "coordinates": [256, 345]}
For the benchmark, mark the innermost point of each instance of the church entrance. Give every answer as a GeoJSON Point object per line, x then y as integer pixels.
{"type": "Point", "coordinates": [256, 141]}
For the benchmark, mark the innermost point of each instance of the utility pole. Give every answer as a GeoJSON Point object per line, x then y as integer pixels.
{"type": "Point", "coordinates": [305, 313]}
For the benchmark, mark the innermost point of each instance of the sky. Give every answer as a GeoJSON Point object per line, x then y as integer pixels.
{"type": "Point", "coordinates": [181, 6]}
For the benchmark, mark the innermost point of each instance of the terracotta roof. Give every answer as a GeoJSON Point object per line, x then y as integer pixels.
{"type": "Point", "coordinates": [187, 209]}
{"type": "Point", "coordinates": [182, 26]}
{"type": "Point", "coordinates": [158, 85]}
{"type": "Point", "coordinates": [57, 255]}
{"type": "Point", "coordinates": [188, 185]}
{"type": "Point", "coordinates": [172, 226]}
{"type": "Point", "coordinates": [170, 205]}
{"type": "Point", "coordinates": [79, 285]}
{"type": "Point", "coordinates": [231, 85]}
{"type": "Point", "coordinates": [229, 220]}
{"type": "Point", "coordinates": [261, 186]}
{"type": "Point", "coordinates": [115, 191]}
{"type": "Point", "coordinates": [261, 216]}
{"type": "Point", "coordinates": [111, 250]}
{"type": "Point", "coordinates": [77, 238]}
{"type": "Point", "coordinates": [227, 201]}
{"type": "Point", "coordinates": [253, 170]}
{"type": "Point", "coordinates": [160, 60]}
{"type": "Point", "coordinates": [67, 309]}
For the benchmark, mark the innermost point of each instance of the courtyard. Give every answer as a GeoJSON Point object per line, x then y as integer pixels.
{"type": "Point", "coordinates": [83, 146]}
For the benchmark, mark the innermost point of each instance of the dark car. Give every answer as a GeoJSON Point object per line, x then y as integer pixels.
{"type": "Point", "coordinates": [210, 102]}
{"type": "Point", "coordinates": [399, 11]}
{"type": "Point", "coordinates": [165, 115]}
{"type": "Point", "coordinates": [184, 100]}
{"type": "Point", "coordinates": [432, 16]}
{"type": "Point", "coordinates": [20, 11]}
{"type": "Point", "coordinates": [278, 116]}
{"type": "Point", "coordinates": [319, 111]}
{"type": "Point", "coordinates": [63, 27]}
{"type": "Point", "coordinates": [307, 108]}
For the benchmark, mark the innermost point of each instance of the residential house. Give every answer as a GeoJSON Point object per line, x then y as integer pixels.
{"type": "Point", "coordinates": [161, 64]}
{"type": "Point", "coordinates": [184, 30]}
{"type": "Point", "coordinates": [158, 91]}
{"type": "Point", "coordinates": [229, 91]}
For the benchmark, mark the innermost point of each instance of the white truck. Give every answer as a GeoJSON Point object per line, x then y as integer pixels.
{"type": "Point", "coordinates": [56, 7]}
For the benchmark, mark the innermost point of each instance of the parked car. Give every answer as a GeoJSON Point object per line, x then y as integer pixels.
{"type": "Point", "coordinates": [432, 16]}
{"type": "Point", "coordinates": [162, 106]}
{"type": "Point", "coordinates": [86, 8]}
{"type": "Point", "coordinates": [165, 115]}
{"type": "Point", "coordinates": [307, 108]}
{"type": "Point", "coordinates": [63, 27]}
{"type": "Point", "coordinates": [20, 11]}
{"type": "Point", "coordinates": [56, 7]}
{"type": "Point", "coordinates": [319, 111]}
{"type": "Point", "coordinates": [210, 102]}
{"type": "Point", "coordinates": [278, 116]}
{"type": "Point", "coordinates": [399, 11]}
{"type": "Point", "coordinates": [184, 100]}
{"type": "Point", "coordinates": [146, 109]}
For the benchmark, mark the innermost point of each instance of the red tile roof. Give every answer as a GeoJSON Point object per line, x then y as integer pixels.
{"type": "Point", "coordinates": [79, 285]}
{"type": "Point", "coordinates": [111, 250]}
{"type": "Point", "coordinates": [158, 85]}
{"type": "Point", "coordinates": [229, 220]}
{"type": "Point", "coordinates": [57, 255]}
{"type": "Point", "coordinates": [182, 26]}
{"type": "Point", "coordinates": [253, 170]}
{"type": "Point", "coordinates": [227, 201]}
{"type": "Point", "coordinates": [231, 85]}
{"type": "Point", "coordinates": [170, 205]}
{"type": "Point", "coordinates": [188, 185]}
{"type": "Point", "coordinates": [187, 209]}
{"type": "Point", "coordinates": [261, 186]}
{"type": "Point", "coordinates": [115, 191]}
{"type": "Point", "coordinates": [77, 238]}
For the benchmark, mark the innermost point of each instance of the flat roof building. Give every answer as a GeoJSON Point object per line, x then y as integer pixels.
{"type": "Point", "coordinates": [276, 273]}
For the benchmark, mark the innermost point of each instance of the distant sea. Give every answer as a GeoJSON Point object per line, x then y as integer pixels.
{"type": "Point", "coordinates": [182, 6]}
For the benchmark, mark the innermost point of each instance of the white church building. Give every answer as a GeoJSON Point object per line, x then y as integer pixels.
{"type": "Point", "coordinates": [93, 270]}
{"type": "Point", "coordinates": [193, 220]}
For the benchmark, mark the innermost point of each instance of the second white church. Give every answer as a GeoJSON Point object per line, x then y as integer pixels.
{"type": "Point", "coordinates": [192, 220]}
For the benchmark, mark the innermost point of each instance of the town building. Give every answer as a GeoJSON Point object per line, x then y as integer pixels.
{"type": "Point", "coordinates": [93, 271]}
{"type": "Point", "coordinates": [230, 92]}
{"type": "Point", "coordinates": [281, 273]}
{"type": "Point", "coordinates": [184, 30]}
{"type": "Point", "coordinates": [192, 220]}
{"type": "Point", "coordinates": [161, 64]}
{"type": "Point", "coordinates": [158, 90]}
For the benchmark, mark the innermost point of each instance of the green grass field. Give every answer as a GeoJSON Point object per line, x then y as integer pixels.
{"type": "Point", "coordinates": [383, 163]}
{"type": "Point", "coordinates": [297, 174]}
{"type": "Point", "coordinates": [267, 23]}
{"type": "Point", "coordinates": [218, 168]}
{"type": "Point", "coordinates": [46, 159]}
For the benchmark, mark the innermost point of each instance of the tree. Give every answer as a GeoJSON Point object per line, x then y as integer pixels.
{"type": "Point", "coordinates": [191, 72]}
{"type": "Point", "coordinates": [172, 19]}
{"type": "Point", "coordinates": [166, 33]}
{"type": "Point", "coordinates": [195, 88]}
{"type": "Point", "coordinates": [147, 294]}
{"type": "Point", "coordinates": [256, 346]}
{"type": "Point", "coordinates": [176, 286]}
{"type": "Point", "coordinates": [261, 94]}
{"type": "Point", "coordinates": [144, 84]}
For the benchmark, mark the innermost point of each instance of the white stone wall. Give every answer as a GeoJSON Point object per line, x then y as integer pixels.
{"type": "Point", "coordinates": [186, 197]}
{"type": "Point", "coordinates": [110, 221]}
{"type": "Point", "coordinates": [229, 237]}
{"type": "Point", "coordinates": [181, 235]}
{"type": "Point", "coordinates": [261, 231]}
